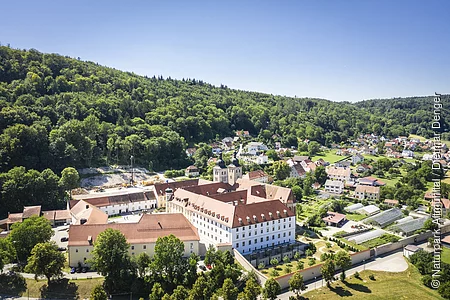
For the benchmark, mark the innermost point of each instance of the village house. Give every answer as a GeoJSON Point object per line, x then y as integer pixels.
{"type": "Point", "coordinates": [254, 148]}
{"type": "Point", "coordinates": [342, 164]}
{"type": "Point", "coordinates": [341, 174]}
{"type": "Point", "coordinates": [192, 171]}
{"type": "Point", "coordinates": [334, 219]}
{"type": "Point", "coordinates": [366, 192]}
{"type": "Point", "coordinates": [407, 153]}
{"type": "Point", "coordinates": [371, 181]}
{"type": "Point", "coordinates": [297, 171]}
{"type": "Point", "coordinates": [391, 202]}
{"type": "Point", "coordinates": [356, 159]}
{"type": "Point", "coordinates": [334, 186]}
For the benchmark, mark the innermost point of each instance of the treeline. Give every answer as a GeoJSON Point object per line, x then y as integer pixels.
{"type": "Point", "coordinates": [56, 111]}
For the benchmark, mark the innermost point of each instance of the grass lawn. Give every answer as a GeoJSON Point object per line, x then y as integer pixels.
{"type": "Point", "coordinates": [447, 178]}
{"type": "Point", "coordinates": [355, 217]}
{"type": "Point", "coordinates": [65, 289]}
{"type": "Point", "coordinates": [381, 240]}
{"type": "Point", "coordinates": [445, 255]}
{"type": "Point", "coordinates": [403, 285]}
{"type": "Point", "coordinates": [329, 156]}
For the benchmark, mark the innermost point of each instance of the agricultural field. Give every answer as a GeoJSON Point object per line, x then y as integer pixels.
{"type": "Point", "coordinates": [402, 285]}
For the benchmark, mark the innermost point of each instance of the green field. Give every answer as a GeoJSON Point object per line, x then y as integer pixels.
{"type": "Point", "coordinates": [329, 156]}
{"type": "Point", "coordinates": [355, 217]}
{"type": "Point", "coordinates": [311, 207]}
{"type": "Point", "coordinates": [445, 255]}
{"type": "Point", "coordinates": [64, 289]}
{"type": "Point", "coordinates": [403, 285]}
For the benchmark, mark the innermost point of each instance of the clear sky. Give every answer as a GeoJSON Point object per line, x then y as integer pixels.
{"type": "Point", "coordinates": [338, 50]}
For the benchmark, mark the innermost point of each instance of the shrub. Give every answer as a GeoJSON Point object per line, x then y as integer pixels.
{"type": "Point", "coordinates": [371, 277]}
{"type": "Point", "coordinates": [274, 262]}
{"type": "Point", "coordinates": [274, 273]}
{"type": "Point", "coordinates": [287, 269]}
{"type": "Point", "coordinates": [261, 266]}
{"type": "Point", "coordinates": [286, 259]}
{"type": "Point", "coordinates": [300, 265]}
{"type": "Point", "coordinates": [357, 275]}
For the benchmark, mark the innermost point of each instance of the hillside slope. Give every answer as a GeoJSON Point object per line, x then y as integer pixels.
{"type": "Point", "coordinates": [57, 111]}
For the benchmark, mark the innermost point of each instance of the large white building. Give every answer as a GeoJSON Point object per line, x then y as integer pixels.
{"type": "Point", "coordinates": [141, 236]}
{"type": "Point", "coordinates": [244, 217]}
{"type": "Point", "coordinates": [121, 201]}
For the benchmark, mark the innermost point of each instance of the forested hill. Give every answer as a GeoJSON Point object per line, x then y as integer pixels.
{"type": "Point", "coordinates": [57, 111]}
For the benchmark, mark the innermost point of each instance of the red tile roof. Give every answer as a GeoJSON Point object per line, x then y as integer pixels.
{"type": "Point", "coordinates": [147, 230]}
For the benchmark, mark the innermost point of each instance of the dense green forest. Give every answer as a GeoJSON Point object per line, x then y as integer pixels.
{"type": "Point", "coordinates": [57, 111]}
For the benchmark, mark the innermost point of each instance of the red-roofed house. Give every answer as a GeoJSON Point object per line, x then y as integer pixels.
{"type": "Point", "coordinates": [334, 219]}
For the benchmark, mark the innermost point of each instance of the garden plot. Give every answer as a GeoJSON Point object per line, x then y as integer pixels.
{"type": "Point", "coordinates": [366, 236]}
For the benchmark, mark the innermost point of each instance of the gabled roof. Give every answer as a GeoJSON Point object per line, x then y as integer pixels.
{"type": "Point", "coordinates": [29, 211]}
{"type": "Point", "coordinates": [367, 189]}
{"type": "Point", "coordinates": [256, 174]}
{"type": "Point", "coordinates": [92, 215]}
{"type": "Point", "coordinates": [147, 230]}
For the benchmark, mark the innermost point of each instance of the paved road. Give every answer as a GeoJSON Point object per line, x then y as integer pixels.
{"type": "Point", "coordinates": [65, 275]}
{"type": "Point", "coordinates": [394, 262]}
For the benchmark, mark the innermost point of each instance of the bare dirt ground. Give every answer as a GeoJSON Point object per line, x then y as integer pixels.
{"type": "Point", "coordinates": [106, 177]}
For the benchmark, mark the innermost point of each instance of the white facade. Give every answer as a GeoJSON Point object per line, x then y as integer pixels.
{"type": "Point", "coordinates": [220, 174]}
{"type": "Point", "coordinates": [334, 186]}
{"type": "Point", "coordinates": [119, 208]}
{"type": "Point", "coordinates": [245, 239]}
{"type": "Point", "coordinates": [262, 159]}
{"type": "Point", "coordinates": [254, 148]}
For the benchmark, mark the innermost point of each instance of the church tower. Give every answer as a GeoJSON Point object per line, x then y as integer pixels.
{"type": "Point", "coordinates": [234, 170]}
{"type": "Point", "coordinates": [220, 171]}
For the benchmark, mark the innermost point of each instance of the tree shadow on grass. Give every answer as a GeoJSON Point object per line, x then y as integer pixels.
{"type": "Point", "coordinates": [358, 287]}
{"type": "Point", "coordinates": [12, 284]}
{"type": "Point", "coordinates": [339, 290]}
{"type": "Point", "coordinates": [60, 289]}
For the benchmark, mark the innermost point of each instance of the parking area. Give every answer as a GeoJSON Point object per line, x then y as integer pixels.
{"type": "Point", "coordinates": [60, 232]}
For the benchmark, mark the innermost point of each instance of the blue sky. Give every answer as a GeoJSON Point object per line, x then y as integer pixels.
{"type": "Point", "coordinates": [338, 50]}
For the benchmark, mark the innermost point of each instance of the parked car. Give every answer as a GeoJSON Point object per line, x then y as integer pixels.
{"type": "Point", "coordinates": [202, 267]}
{"type": "Point", "coordinates": [64, 239]}
{"type": "Point", "coordinates": [83, 270]}
{"type": "Point", "coordinates": [78, 270]}
{"type": "Point", "coordinates": [72, 270]}
{"type": "Point", "coordinates": [62, 249]}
